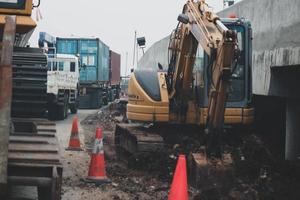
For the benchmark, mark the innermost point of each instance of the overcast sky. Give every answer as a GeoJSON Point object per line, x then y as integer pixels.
{"type": "Point", "coordinates": [114, 22]}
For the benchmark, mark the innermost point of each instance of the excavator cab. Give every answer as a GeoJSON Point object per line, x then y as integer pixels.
{"type": "Point", "coordinates": [239, 108]}
{"type": "Point", "coordinates": [25, 25]}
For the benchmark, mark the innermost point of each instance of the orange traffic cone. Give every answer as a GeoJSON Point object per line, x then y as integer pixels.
{"type": "Point", "coordinates": [179, 184]}
{"type": "Point", "coordinates": [74, 143]}
{"type": "Point", "coordinates": [97, 173]}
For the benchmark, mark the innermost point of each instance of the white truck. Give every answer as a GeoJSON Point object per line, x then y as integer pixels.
{"type": "Point", "coordinates": [62, 85]}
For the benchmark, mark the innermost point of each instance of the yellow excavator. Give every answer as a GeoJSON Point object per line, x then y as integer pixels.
{"type": "Point", "coordinates": [217, 93]}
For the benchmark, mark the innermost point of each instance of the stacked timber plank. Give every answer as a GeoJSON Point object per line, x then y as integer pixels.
{"type": "Point", "coordinates": [34, 157]}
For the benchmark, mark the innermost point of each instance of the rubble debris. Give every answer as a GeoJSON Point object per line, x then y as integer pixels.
{"type": "Point", "coordinates": [255, 173]}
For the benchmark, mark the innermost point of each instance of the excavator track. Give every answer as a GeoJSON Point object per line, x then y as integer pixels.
{"type": "Point", "coordinates": [138, 146]}
{"type": "Point", "coordinates": [29, 82]}
{"type": "Point", "coordinates": [135, 138]}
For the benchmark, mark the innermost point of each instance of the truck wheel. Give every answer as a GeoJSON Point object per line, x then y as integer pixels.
{"type": "Point", "coordinates": [74, 108]}
{"type": "Point", "coordinates": [63, 109]}
{"type": "Point", "coordinates": [44, 193]}
{"type": "Point", "coordinates": [52, 112]}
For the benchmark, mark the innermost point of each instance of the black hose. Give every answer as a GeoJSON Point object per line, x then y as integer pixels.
{"type": "Point", "coordinates": [38, 5]}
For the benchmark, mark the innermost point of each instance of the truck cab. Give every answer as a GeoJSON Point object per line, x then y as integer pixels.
{"type": "Point", "coordinates": [62, 85]}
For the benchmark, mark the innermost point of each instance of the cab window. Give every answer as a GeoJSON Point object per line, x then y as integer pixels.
{"type": "Point", "coordinates": [61, 66]}
{"type": "Point", "coordinates": [54, 66]}
{"type": "Point", "coordinates": [72, 66]}
{"type": "Point", "coordinates": [49, 66]}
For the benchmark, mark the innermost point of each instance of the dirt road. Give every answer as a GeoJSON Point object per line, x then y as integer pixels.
{"type": "Point", "coordinates": [126, 184]}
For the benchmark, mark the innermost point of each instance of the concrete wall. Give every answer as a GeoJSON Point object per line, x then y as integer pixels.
{"type": "Point", "coordinates": [276, 43]}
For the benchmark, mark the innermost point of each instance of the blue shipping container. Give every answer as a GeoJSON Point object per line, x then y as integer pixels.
{"type": "Point", "coordinates": [94, 56]}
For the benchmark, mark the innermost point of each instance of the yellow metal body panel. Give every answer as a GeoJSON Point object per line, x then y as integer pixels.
{"type": "Point", "coordinates": [233, 116]}
{"type": "Point", "coordinates": [142, 108]}
{"type": "Point", "coordinates": [24, 23]}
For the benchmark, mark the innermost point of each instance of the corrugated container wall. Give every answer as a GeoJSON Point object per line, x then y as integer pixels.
{"type": "Point", "coordinates": [103, 72]}
{"type": "Point", "coordinates": [94, 57]}
{"type": "Point", "coordinates": [115, 68]}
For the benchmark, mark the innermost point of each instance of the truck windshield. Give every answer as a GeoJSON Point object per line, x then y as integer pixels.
{"type": "Point", "coordinates": [13, 4]}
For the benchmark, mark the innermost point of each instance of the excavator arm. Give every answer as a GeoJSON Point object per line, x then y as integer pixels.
{"type": "Point", "coordinates": [199, 25]}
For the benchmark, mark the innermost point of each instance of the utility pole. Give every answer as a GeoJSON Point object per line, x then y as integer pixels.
{"type": "Point", "coordinates": [126, 67]}
{"type": "Point", "coordinates": [134, 48]}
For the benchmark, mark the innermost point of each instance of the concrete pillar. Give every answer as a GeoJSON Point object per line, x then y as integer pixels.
{"type": "Point", "coordinates": [292, 141]}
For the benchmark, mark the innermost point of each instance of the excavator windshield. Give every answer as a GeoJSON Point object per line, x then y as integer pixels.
{"type": "Point", "coordinates": [16, 7]}
{"type": "Point", "coordinates": [239, 79]}
{"type": "Point", "coordinates": [237, 87]}
{"type": "Point", "coordinates": [237, 82]}
{"type": "Point", "coordinates": [13, 4]}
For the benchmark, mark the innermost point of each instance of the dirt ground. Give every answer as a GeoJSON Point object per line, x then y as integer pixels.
{"type": "Point", "coordinates": [255, 172]}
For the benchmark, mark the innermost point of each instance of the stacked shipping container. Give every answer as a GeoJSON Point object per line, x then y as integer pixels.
{"type": "Point", "coordinates": [114, 75]}
{"type": "Point", "coordinates": [100, 71]}
{"type": "Point", "coordinates": [115, 71]}
{"type": "Point", "coordinates": [94, 56]}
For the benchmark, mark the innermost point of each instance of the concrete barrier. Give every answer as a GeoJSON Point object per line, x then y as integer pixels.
{"type": "Point", "coordinates": [276, 42]}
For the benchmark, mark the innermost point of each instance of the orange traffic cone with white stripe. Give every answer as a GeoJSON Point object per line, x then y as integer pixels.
{"type": "Point", "coordinates": [97, 172]}
{"type": "Point", "coordinates": [74, 143]}
{"type": "Point", "coordinates": [179, 190]}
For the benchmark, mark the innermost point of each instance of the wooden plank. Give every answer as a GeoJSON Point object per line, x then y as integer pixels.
{"type": "Point", "coordinates": [33, 139]}
{"type": "Point", "coordinates": [39, 134]}
{"type": "Point", "coordinates": [41, 128]}
{"type": "Point", "coordinates": [43, 148]}
{"type": "Point", "coordinates": [33, 157]}
{"type": "Point", "coordinates": [37, 120]}
{"type": "Point", "coordinates": [46, 134]}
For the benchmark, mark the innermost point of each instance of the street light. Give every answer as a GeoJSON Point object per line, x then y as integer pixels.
{"type": "Point", "coordinates": [142, 43]}
{"type": "Point", "coordinates": [229, 2]}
